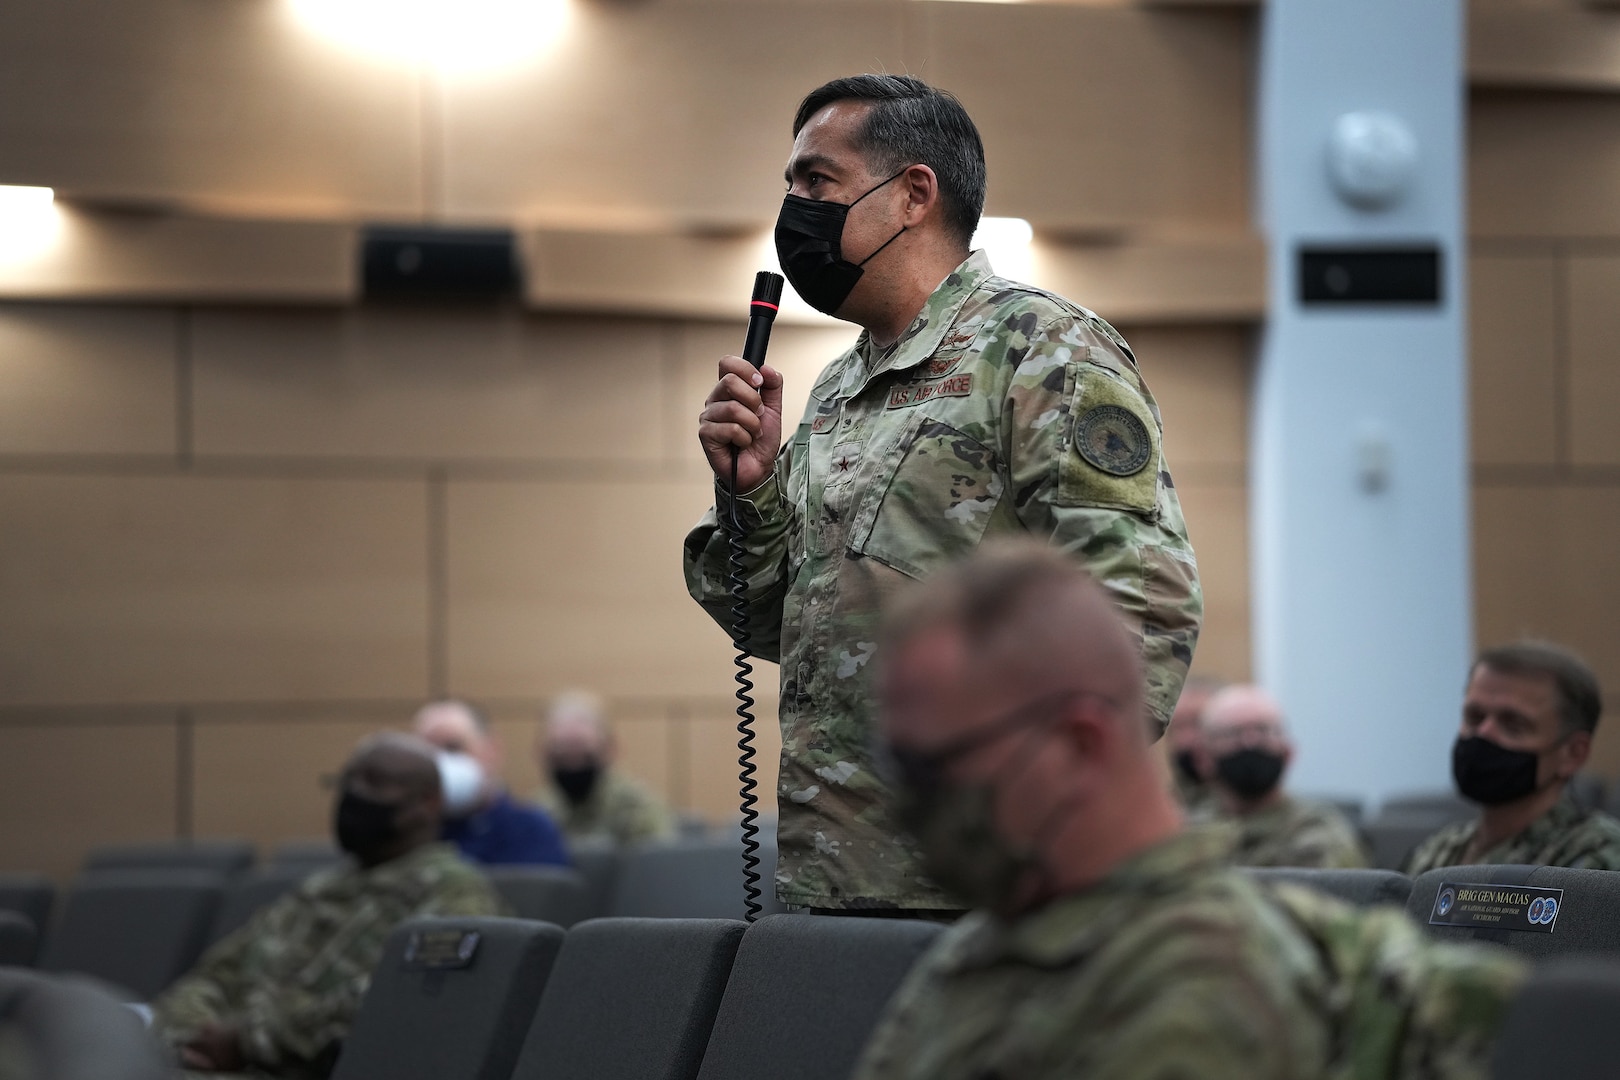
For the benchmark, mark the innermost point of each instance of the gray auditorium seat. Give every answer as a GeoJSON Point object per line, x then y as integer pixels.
{"type": "Point", "coordinates": [1588, 922]}
{"type": "Point", "coordinates": [138, 930]}
{"type": "Point", "coordinates": [631, 999]}
{"type": "Point", "coordinates": [245, 895]}
{"type": "Point", "coordinates": [691, 826]}
{"type": "Point", "coordinates": [1440, 807]}
{"type": "Point", "coordinates": [308, 855]}
{"type": "Point", "coordinates": [1391, 839]}
{"type": "Point", "coordinates": [433, 1014]}
{"type": "Point", "coordinates": [1363, 888]}
{"type": "Point", "coordinates": [690, 879]}
{"type": "Point", "coordinates": [70, 1030]}
{"type": "Point", "coordinates": [553, 894]}
{"type": "Point", "coordinates": [1588, 789]}
{"type": "Point", "coordinates": [225, 857]}
{"type": "Point", "coordinates": [598, 863]}
{"type": "Point", "coordinates": [1561, 1024]}
{"type": "Point", "coordinates": [19, 940]}
{"type": "Point", "coordinates": [805, 993]}
{"type": "Point", "coordinates": [29, 895]}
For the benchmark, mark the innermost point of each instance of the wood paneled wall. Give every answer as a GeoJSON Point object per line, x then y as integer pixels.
{"type": "Point", "coordinates": [1545, 218]}
{"type": "Point", "coordinates": [232, 541]}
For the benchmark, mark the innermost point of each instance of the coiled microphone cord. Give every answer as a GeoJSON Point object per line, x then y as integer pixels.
{"type": "Point", "coordinates": [761, 314]}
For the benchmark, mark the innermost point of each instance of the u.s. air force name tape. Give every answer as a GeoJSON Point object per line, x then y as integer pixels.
{"type": "Point", "coordinates": [1497, 907]}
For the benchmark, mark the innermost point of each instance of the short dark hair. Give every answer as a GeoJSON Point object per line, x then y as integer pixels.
{"type": "Point", "coordinates": [1580, 699]}
{"type": "Point", "coordinates": [912, 123]}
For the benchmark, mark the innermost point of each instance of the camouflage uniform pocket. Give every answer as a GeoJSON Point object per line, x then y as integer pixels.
{"type": "Point", "coordinates": [938, 502]}
{"type": "Point", "coordinates": [1110, 457]}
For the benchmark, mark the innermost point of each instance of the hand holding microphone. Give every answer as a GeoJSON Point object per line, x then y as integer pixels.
{"type": "Point", "coordinates": [744, 410]}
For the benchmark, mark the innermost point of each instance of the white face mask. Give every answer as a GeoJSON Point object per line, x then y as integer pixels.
{"type": "Point", "coordinates": [461, 780]}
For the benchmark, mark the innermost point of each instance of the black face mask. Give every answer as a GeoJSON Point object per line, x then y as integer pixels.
{"type": "Point", "coordinates": [1491, 774]}
{"type": "Point", "coordinates": [809, 244]}
{"type": "Point", "coordinates": [1187, 765]}
{"type": "Point", "coordinates": [577, 784]}
{"type": "Point", "coordinates": [1250, 772]}
{"type": "Point", "coordinates": [365, 828]}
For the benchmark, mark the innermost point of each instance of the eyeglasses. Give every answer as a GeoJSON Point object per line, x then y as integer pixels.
{"type": "Point", "coordinates": [925, 770]}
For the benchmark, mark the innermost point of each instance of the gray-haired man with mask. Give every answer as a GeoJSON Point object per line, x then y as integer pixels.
{"type": "Point", "coordinates": [971, 406]}
{"type": "Point", "coordinates": [1528, 716]}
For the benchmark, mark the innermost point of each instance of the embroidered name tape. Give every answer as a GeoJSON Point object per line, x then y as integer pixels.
{"type": "Point", "coordinates": [955, 386]}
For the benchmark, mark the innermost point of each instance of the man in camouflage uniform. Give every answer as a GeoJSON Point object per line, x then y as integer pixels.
{"type": "Point", "coordinates": [972, 406]}
{"type": "Point", "coordinates": [277, 997]}
{"type": "Point", "coordinates": [1244, 749]}
{"type": "Point", "coordinates": [582, 789]}
{"type": "Point", "coordinates": [1529, 714]}
{"type": "Point", "coordinates": [1182, 741]}
{"type": "Point", "coordinates": [1108, 942]}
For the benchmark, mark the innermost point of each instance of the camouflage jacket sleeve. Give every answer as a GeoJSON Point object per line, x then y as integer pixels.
{"type": "Point", "coordinates": [305, 1020]}
{"type": "Point", "coordinates": [1084, 445]}
{"type": "Point", "coordinates": [204, 995]}
{"type": "Point", "coordinates": [766, 520]}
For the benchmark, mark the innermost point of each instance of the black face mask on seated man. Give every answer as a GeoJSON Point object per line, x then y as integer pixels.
{"type": "Point", "coordinates": [1250, 772]}
{"type": "Point", "coordinates": [1491, 774]}
{"type": "Point", "coordinates": [577, 784]}
{"type": "Point", "coordinates": [365, 827]}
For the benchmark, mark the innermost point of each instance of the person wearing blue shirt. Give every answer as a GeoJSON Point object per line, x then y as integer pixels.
{"type": "Point", "coordinates": [481, 819]}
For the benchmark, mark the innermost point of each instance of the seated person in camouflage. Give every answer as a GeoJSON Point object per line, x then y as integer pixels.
{"type": "Point", "coordinates": [581, 788]}
{"type": "Point", "coordinates": [1106, 941]}
{"type": "Point", "coordinates": [1186, 771]}
{"type": "Point", "coordinates": [1244, 749]}
{"type": "Point", "coordinates": [485, 823]}
{"type": "Point", "coordinates": [276, 998]}
{"type": "Point", "coordinates": [1529, 713]}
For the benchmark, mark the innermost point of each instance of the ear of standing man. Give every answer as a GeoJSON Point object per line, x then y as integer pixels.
{"type": "Point", "coordinates": [970, 407]}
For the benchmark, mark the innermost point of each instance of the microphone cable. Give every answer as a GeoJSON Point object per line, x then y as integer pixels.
{"type": "Point", "coordinates": [761, 313]}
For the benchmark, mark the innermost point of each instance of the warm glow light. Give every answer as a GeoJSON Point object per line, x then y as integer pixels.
{"type": "Point", "coordinates": [29, 222]}
{"type": "Point", "coordinates": [455, 36]}
{"type": "Point", "coordinates": [1007, 241]}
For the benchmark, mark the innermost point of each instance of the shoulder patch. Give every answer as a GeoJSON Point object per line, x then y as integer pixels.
{"type": "Point", "coordinates": [1114, 440]}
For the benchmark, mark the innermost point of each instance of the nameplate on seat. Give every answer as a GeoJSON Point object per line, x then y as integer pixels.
{"type": "Point", "coordinates": [1497, 907]}
{"type": "Point", "coordinates": [441, 950]}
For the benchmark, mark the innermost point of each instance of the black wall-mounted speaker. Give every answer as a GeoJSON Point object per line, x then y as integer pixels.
{"type": "Point", "coordinates": [1370, 275]}
{"type": "Point", "coordinates": [424, 263]}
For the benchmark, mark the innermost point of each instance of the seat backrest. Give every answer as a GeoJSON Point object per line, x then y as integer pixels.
{"type": "Point", "coordinates": [136, 929]}
{"type": "Point", "coordinates": [805, 993]}
{"type": "Point", "coordinates": [1392, 838]}
{"type": "Point", "coordinates": [225, 857]}
{"type": "Point", "coordinates": [246, 895]}
{"type": "Point", "coordinates": [73, 1031]}
{"type": "Point", "coordinates": [1587, 920]}
{"type": "Point", "coordinates": [553, 894]}
{"type": "Point", "coordinates": [631, 999]}
{"type": "Point", "coordinates": [1438, 807]}
{"type": "Point", "coordinates": [690, 879]}
{"type": "Point", "coordinates": [451, 999]}
{"type": "Point", "coordinates": [1588, 789]}
{"type": "Point", "coordinates": [29, 895]}
{"type": "Point", "coordinates": [305, 855]}
{"type": "Point", "coordinates": [1363, 888]}
{"type": "Point", "coordinates": [597, 861]}
{"type": "Point", "coordinates": [19, 940]}
{"type": "Point", "coordinates": [1562, 1024]}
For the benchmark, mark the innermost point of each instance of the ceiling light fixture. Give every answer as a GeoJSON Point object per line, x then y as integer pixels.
{"type": "Point", "coordinates": [29, 221]}
{"type": "Point", "coordinates": [454, 36]}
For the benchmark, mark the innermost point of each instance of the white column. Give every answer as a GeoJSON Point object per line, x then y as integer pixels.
{"type": "Point", "coordinates": [1359, 479]}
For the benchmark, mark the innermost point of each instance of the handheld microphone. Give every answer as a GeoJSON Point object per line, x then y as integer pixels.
{"type": "Point", "coordinates": [761, 313]}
